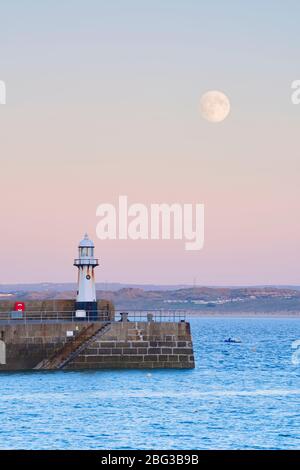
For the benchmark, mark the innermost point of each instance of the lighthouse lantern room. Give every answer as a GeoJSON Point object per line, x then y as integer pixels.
{"type": "Point", "coordinates": [86, 291]}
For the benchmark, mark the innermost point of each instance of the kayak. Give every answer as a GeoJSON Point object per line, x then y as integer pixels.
{"type": "Point", "coordinates": [232, 340]}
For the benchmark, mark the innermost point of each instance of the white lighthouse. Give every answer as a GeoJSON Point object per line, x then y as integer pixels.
{"type": "Point", "coordinates": [86, 291]}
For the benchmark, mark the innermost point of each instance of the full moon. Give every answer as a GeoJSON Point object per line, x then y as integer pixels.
{"type": "Point", "coordinates": [214, 106]}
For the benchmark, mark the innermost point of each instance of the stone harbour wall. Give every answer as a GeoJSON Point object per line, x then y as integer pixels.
{"type": "Point", "coordinates": [139, 345]}
{"type": "Point", "coordinates": [121, 345]}
{"type": "Point", "coordinates": [28, 344]}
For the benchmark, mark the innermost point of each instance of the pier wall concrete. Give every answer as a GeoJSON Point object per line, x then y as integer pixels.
{"type": "Point", "coordinates": [139, 345]}
{"type": "Point", "coordinates": [27, 344]}
{"type": "Point", "coordinates": [123, 345]}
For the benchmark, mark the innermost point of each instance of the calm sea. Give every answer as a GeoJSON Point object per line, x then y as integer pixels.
{"type": "Point", "coordinates": [240, 396]}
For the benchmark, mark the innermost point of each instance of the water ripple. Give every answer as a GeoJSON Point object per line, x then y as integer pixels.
{"type": "Point", "coordinates": [242, 396]}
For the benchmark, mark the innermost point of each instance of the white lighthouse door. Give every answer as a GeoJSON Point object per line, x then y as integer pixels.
{"type": "Point", "coordinates": [2, 352]}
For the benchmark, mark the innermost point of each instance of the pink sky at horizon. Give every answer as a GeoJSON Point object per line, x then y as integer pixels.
{"type": "Point", "coordinates": [100, 107]}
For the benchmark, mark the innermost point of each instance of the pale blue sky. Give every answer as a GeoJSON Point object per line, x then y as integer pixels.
{"type": "Point", "coordinates": [110, 91]}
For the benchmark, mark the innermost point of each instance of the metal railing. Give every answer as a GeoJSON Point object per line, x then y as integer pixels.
{"type": "Point", "coordinates": [48, 316]}
{"type": "Point", "coordinates": [90, 261]}
{"type": "Point", "coordinates": [13, 317]}
{"type": "Point", "coordinates": [161, 315]}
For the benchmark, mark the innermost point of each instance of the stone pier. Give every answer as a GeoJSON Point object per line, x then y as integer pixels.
{"type": "Point", "coordinates": [117, 345]}
{"type": "Point", "coordinates": [140, 345]}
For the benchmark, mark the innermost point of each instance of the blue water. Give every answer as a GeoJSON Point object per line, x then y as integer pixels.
{"type": "Point", "coordinates": [240, 396]}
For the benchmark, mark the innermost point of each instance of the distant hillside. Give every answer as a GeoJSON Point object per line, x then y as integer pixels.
{"type": "Point", "coordinates": [61, 287]}
{"type": "Point", "coordinates": [115, 286]}
{"type": "Point", "coordinates": [208, 298]}
{"type": "Point", "coordinates": [205, 299]}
